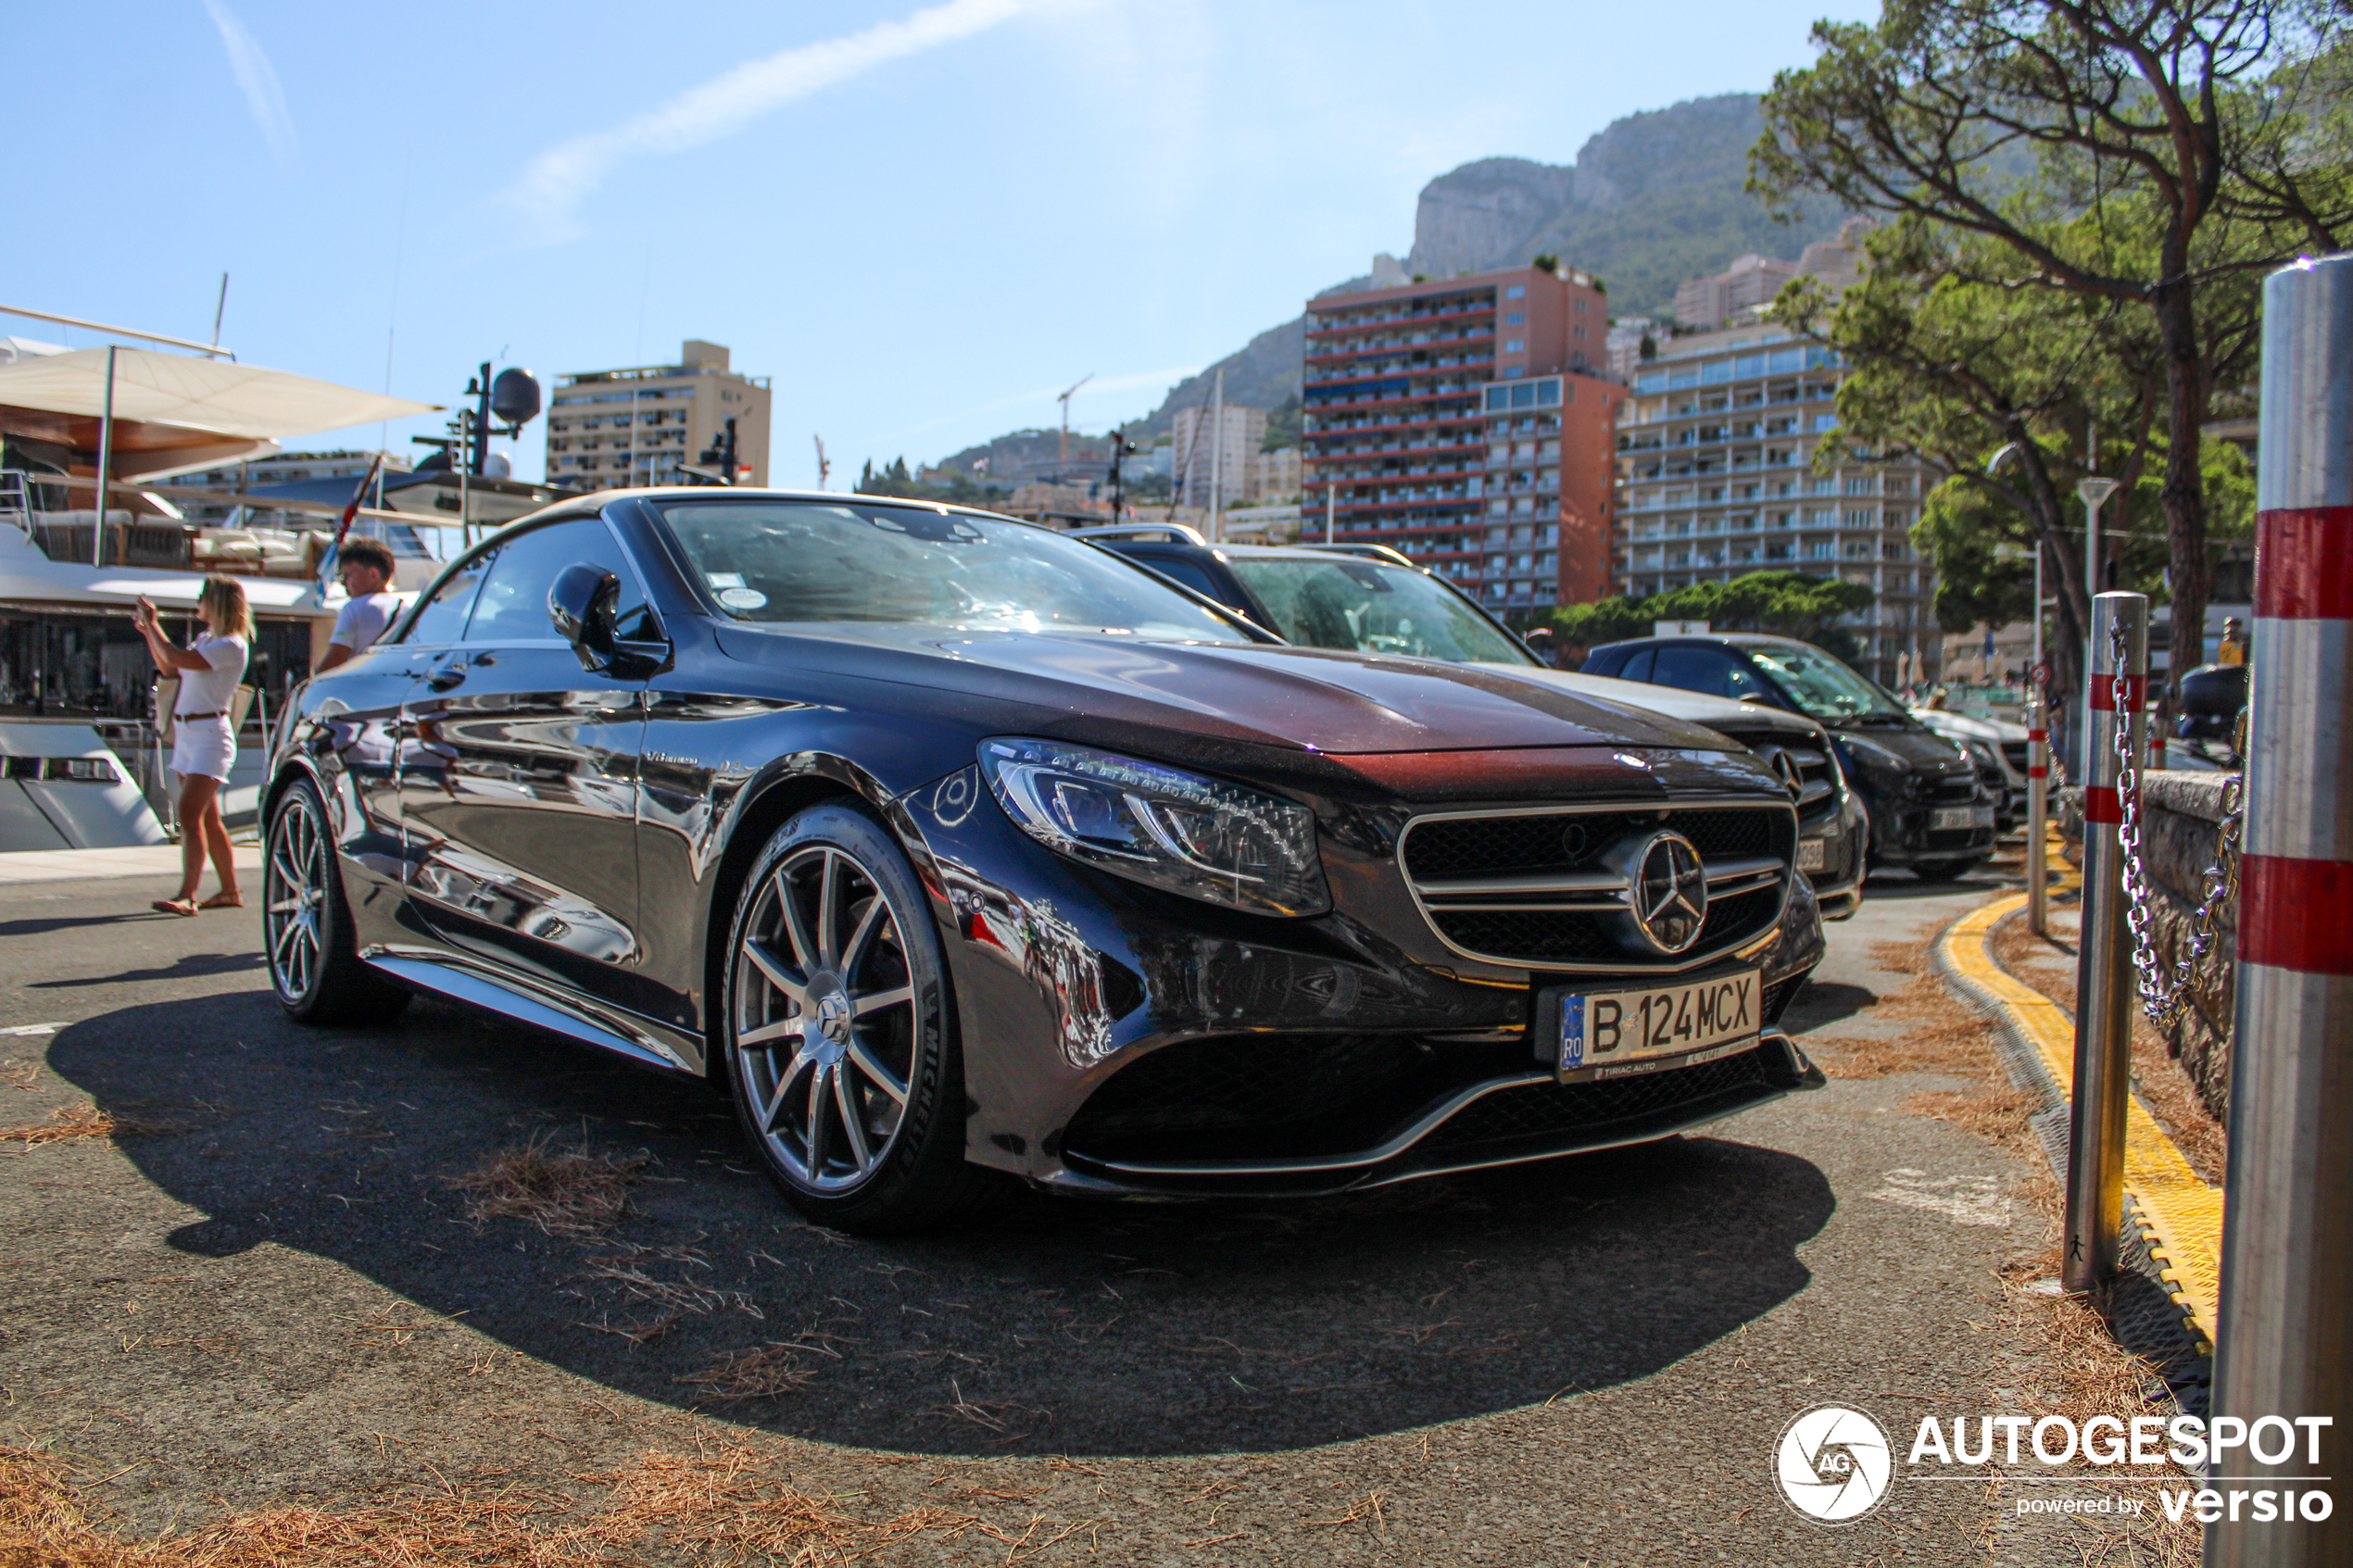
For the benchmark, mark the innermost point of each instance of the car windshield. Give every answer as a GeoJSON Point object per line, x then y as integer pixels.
{"type": "Point", "coordinates": [1984, 702]}
{"type": "Point", "coordinates": [1824, 688]}
{"type": "Point", "coordinates": [1366, 607]}
{"type": "Point", "coordinates": [820, 561]}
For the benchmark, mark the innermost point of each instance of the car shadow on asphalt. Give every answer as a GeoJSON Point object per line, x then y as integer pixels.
{"type": "Point", "coordinates": [1052, 1325]}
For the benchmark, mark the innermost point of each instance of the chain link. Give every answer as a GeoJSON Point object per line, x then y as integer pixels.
{"type": "Point", "coordinates": [2164, 994]}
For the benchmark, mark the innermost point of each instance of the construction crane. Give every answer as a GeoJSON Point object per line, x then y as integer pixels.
{"type": "Point", "coordinates": [824, 469]}
{"type": "Point", "coordinates": [1064, 461]}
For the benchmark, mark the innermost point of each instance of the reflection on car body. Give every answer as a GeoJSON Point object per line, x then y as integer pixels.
{"type": "Point", "coordinates": [954, 851]}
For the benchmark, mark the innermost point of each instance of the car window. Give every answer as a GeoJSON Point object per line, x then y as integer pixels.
{"type": "Point", "coordinates": [1369, 607]}
{"type": "Point", "coordinates": [1823, 689]}
{"type": "Point", "coordinates": [1639, 667]}
{"type": "Point", "coordinates": [770, 561]}
{"type": "Point", "coordinates": [512, 606]}
{"type": "Point", "coordinates": [442, 618]}
{"type": "Point", "coordinates": [1184, 572]}
{"type": "Point", "coordinates": [1710, 671]}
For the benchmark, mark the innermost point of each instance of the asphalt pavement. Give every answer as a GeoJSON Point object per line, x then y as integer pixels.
{"type": "Point", "coordinates": [266, 1291]}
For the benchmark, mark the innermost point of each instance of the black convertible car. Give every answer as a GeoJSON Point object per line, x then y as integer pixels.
{"type": "Point", "coordinates": [951, 848]}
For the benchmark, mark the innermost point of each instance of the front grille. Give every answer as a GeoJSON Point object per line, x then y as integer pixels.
{"type": "Point", "coordinates": [1585, 937]}
{"type": "Point", "coordinates": [1816, 769]}
{"type": "Point", "coordinates": [1777, 998]}
{"type": "Point", "coordinates": [1949, 838]}
{"type": "Point", "coordinates": [2017, 751]}
{"type": "Point", "coordinates": [1471, 846]}
{"type": "Point", "coordinates": [1531, 1110]}
{"type": "Point", "coordinates": [1952, 792]}
{"type": "Point", "coordinates": [1578, 921]}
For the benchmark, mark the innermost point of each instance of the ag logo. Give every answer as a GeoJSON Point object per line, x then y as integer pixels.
{"type": "Point", "coordinates": [1832, 1464]}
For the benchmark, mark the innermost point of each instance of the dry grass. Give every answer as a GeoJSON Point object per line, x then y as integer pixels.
{"type": "Point", "coordinates": [1944, 1035]}
{"type": "Point", "coordinates": [565, 1192]}
{"type": "Point", "coordinates": [720, 1504]}
{"type": "Point", "coordinates": [765, 1371]}
{"type": "Point", "coordinates": [72, 1122]}
{"type": "Point", "coordinates": [2157, 1077]}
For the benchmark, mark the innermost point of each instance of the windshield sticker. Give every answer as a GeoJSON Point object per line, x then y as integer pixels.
{"type": "Point", "coordinates": [726, 579]}
{"type": "Point", "coordinates": [742, 598]}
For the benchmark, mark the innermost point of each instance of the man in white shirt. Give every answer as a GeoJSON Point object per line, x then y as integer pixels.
{"type": "Point", "coordinates": [365, 566]}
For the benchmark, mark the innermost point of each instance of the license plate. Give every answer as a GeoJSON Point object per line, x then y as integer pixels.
{"type": "Point", "coordinates": [1960, 817]}
{"type": "Point", "coordinates": [1615, 1034]}
{"type": "Point", "coordinates": [1813, 854]}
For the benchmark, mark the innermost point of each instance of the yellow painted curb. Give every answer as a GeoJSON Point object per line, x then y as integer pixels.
{"type": "Point", "coordinates": [2181, 1216]}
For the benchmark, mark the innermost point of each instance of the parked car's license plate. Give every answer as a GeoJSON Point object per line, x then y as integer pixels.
{"type": "Point", "coordinates": [1961, 816]}
{"type": "Point", "coordinates": [1614, 1034]}
{"type": "Point", "coordinates": [1813, 854]}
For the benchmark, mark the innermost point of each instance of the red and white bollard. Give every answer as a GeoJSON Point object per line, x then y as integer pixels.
{"type": "Point", "coordinates": [2104, 993]}
{"type": "Point", "coordinates": [2038, 808]}
{"type": "Point", "coordinates": [2286, 1343]}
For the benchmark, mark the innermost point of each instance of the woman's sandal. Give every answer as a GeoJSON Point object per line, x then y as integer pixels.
{"type": "Point", "coordinates": [224, 901]}
{"type": "Point", "coordinates": [174, 906]}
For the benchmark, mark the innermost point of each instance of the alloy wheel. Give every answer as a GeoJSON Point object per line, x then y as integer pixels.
{"type": "Point", "coordinates": [295, 894]}
{"type": "Point", "coordinates": [825, 1019]}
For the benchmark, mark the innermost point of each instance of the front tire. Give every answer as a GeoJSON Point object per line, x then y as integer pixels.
{"type": "Point", "coordinates": [307, 933]}
{"type": "Point", "coordinates": [837, 1032]}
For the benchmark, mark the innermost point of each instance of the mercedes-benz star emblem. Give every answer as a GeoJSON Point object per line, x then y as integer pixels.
{"type": "Point", "coordinates": [1786, 766]}
{"type": "Point", "coordinates": [1668, 891]}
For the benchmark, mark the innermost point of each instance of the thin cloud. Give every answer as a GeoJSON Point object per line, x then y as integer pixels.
{"type": "Point", "coordinates": [548, 195]}
{"type": "Point", "coordinates": [1042, 398]}
{"type": "Point", "coordinates": [257, 80]}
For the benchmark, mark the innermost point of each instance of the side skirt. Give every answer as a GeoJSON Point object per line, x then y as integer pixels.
{"type": "Point", "coordinates": [504, 995]}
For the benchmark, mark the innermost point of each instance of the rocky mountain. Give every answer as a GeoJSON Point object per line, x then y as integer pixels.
{"type": "Point", "coordinates": [1653, 200]}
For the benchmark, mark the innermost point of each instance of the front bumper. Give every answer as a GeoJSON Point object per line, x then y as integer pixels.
{"type": "Point", "coordinates": [1120, 1039]}
{"type": "Point", "coordinates": [1901, 833]}
{"type": "Point", "coordinates": [1505, 1119]}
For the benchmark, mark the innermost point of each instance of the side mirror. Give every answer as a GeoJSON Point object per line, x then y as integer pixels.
{"type": "Point", "coordinates": [581, 604]}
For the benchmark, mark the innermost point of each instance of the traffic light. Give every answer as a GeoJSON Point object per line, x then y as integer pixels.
{"type": "Point", "coordinates": [719, 456]}
{"type": "Point", "coordinates": [1121, 450]}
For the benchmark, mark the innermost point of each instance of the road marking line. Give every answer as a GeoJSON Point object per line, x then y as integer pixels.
{"type": "Point", "coordinates": [2181, 1216]}
{"type": "Point", "coordinates": [33, 1029]}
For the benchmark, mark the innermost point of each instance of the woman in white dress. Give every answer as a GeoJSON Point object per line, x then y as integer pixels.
{"type": "Point", "coordinates": [204, 741]}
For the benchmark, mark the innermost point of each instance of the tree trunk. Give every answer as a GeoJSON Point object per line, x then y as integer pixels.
{"type": "Point", "coordinates": [2184, 490]}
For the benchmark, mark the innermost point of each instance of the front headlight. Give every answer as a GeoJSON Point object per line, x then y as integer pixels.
{"type": "Point", "coordinates": [1197, 836]}
{"type": "Point", "coordinates": [1984, 755]}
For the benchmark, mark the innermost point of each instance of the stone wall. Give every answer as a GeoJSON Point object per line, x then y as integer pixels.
{"type": "Point", "coordinates": [2182, 817]}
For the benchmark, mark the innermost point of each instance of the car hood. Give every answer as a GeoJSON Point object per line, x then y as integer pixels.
{"type": "Point", "coordinates": [1308, 699]}
{"type": "Point", "coordinates": [1691, 706]}
{"type": "Point", "coordinates": [1922, 749]}
{"type": "Point", "coordinates": [1960, 726]}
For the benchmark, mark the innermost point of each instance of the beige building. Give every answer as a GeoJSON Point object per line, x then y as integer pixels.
{"type": "Point", "coordinates": [1273, 476]}
{"type": "Point", "coordinates": [1236, 447]}
{"type": "Point", "coordinates": [1732, 295]}
{"type": "Point", "coordinates": [607, 430]}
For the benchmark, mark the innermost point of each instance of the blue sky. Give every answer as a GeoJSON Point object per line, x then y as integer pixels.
{"type": "Point", "coordinates": [922, 221]}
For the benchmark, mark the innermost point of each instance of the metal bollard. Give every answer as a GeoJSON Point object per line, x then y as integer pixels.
{"type": "Point", "coordinates": [2285, 1342]}
{"type": "Point", "coordinates": [2104, 989]}
{"type": "Point", "coordinates": [2038, 830]}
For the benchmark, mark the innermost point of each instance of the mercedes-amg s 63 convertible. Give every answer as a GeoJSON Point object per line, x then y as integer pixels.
{"type": "Point", "coordinates": [956, 851]}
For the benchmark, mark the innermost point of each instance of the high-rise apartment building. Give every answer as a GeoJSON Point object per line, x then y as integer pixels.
{"type": "Point", "coordinates": [1715, 449]}
{"type": "Point", "coordinates": [1467, 421]}
{"type": "Point", "coordinates": [642, 425]}
{"type": "Point", "coordinates": [1227, 446]}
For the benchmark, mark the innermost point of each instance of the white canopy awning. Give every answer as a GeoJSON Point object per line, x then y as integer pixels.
{"type": "Point", "coordinates": [194, 394]}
